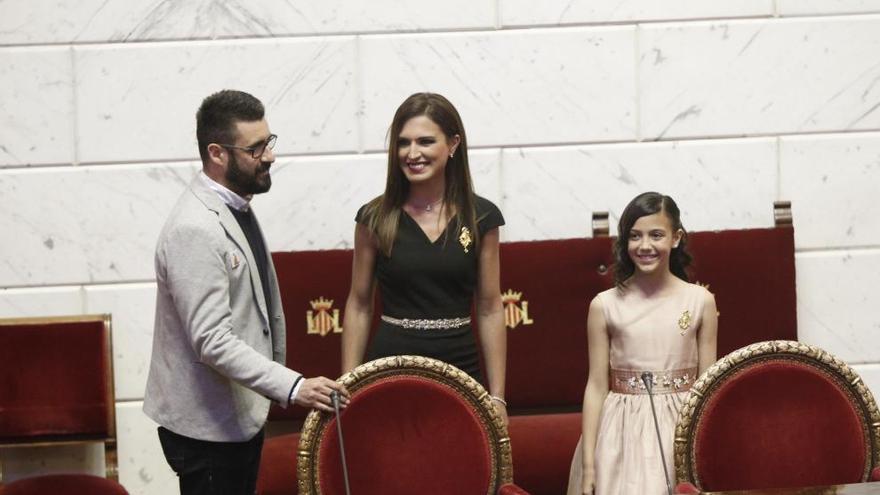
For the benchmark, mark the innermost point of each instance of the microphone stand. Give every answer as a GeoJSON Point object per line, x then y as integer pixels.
{"type": "Point", "coordinates": [648, 379]}
{"type": "Point", "coordinates": [334, 396]}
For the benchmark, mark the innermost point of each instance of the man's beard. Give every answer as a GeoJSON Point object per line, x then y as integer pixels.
{"type": "Point", "coordinates": [245, 184]}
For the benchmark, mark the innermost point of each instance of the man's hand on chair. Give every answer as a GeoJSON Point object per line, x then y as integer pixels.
{"type": "Point", "coordinates": [315, 393]}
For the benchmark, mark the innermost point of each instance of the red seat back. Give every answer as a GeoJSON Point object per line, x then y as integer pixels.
{"type": "Point", "coordinates": [414, 425]}
{"type": "Point", "coordinates": [56, 379]}
{"type": "Point", "coordinates": [547, 288]}
{"type": "Point", "coordinates": [774, 415]}
{"type": "Point", "coordinates": [314, 286]}
{"type": "Point", "coordinates": [547, 356]}
{"type": "Point", "coordinates": [752, 274]}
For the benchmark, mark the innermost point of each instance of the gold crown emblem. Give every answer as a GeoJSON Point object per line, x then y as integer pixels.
{"type": "Point", "coordinates": [510, 296]}
{"type": "Point", "coordinates": [321, 304]}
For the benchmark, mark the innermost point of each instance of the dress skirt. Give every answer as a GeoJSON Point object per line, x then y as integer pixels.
{"type": "Point", "coordinates": [627, 459]}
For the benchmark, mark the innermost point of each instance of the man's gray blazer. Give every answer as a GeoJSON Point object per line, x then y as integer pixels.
{"type": "Point", "coordinates": [218, 355]}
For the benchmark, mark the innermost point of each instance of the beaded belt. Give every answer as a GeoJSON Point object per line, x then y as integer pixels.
{"type": "Point", "coordinates": [427, 323]}
{"type": "Point", "coordinates": [665, 382]}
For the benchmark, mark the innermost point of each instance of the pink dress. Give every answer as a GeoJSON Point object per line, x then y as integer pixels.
{"type": "Point", "coordinates": [658, 334]}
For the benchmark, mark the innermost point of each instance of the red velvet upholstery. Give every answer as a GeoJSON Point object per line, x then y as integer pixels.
{"type": "Point", "coordinates": [776, 415]}
{"type": "Point", "coordinates": [542, 446]}
{"type": "Point", "coordinates": [511, 489]}
{"type": "Point", "coordinates": [56, 387]}
{"type": "Point", "coordinates": [406, 433]}
{"type": "Point", "coordinates": [755, 294]}
{"type": "Point", "coordinates": [414, 425]}
{"type": "Point", "coordinates": [67, 484]}
{"type": "Point", "coordinates": [686, 489]}
{"type": "Point", "coordinates": [55, 380]}
{"type": "Point", "coordinates": [278, 466]}
{"type": "Point", "coordinates": [547, 360]}
{"type": "Point", "coordinates": [303, 277]}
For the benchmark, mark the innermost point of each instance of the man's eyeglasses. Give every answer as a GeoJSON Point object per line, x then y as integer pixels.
{"type": "Point", "coordinates": [258, 150]}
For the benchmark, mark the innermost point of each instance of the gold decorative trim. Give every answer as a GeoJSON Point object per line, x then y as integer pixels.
{"type": "Point", "coordinates": [432, 369]}
{"type": "Point", "coordinates": [600, 224]}
{"type": "Point", "coordinates": [737, 361]}
{"type": "Point", "coordinates": [782, 216]}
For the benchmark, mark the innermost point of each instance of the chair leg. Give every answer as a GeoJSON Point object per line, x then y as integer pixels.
{"type": "Point", "coordinates": [111, 461]}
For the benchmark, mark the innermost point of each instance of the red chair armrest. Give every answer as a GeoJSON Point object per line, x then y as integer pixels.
{"type": "Point", "coordinates": [686, 489]}
{"type": "Point", "coordinates": [875, 474]}
{"type": "Point", "coordinates": [511, 489]}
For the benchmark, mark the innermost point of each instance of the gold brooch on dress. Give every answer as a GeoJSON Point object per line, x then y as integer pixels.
{"type": "Point", "coordinates": [465, 238]}
{"type": "Point", "coordinates": [684, 321]}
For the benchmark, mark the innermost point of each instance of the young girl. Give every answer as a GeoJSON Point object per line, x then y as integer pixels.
{"type": "Point", "coordinates": [432, 245]}
{"type": "Point", "coordinates": [653, 320]}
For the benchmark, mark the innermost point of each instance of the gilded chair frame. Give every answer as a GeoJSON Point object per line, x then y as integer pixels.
{"type": "Point", "coordinates": [692, 408]}
{"type": "Point", "coordinates": [111, 470]}
{"type": "Point", "coordinates": [432, 369]}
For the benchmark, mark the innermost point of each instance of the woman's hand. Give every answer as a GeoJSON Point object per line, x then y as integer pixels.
{"type": "Point", "coordinates": [589, 483]}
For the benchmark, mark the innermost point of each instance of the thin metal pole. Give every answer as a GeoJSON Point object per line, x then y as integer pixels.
{"type": "Point", "coordinates": [648, 378]}
{"type": "Point", "coordinates": [335, 397]}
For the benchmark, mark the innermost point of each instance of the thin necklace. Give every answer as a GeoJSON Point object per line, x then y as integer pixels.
{"type": "Point", "coordinates": [426, 207]}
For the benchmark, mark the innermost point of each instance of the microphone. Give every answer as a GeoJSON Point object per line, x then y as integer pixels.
{"type": "Point", "coordinates": [648, 379]}
{"type": "Point", "coordinates": [334, 396]}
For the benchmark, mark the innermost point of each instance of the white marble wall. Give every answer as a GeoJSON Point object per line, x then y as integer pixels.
{"type": "Point", "coordinates": [571, 107]}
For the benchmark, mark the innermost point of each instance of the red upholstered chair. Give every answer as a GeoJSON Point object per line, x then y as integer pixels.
{"type": "Point", "coordinates": [414, 425]}
{"type": "Point", "coordinates": [543, 445]}
{"type": "Point", "coordinates": [777, 414]}
{"type": "Point", "coordinates": [56, 388]}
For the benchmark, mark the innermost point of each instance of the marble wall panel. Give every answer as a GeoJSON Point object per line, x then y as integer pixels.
{"type": "Point", "coordinates": [138, 102]}
{"type": "Point", "coordinates": [36, 106]}
{"type": "Point", "coordinates": [85, 224]}
{"type": "Point", "coordinates": [41, 301]}
{"type": "Point", "coordinates": [485, 165]}
{"type": "Point", "coordinates": [552, 192]}
{"type": "Point", "coordinates": [132, 307]}
{"type": "Point", "coordinates": [515, 87]}
{"type": "Point", "coordinates": [560, 12]}
{"type": "Point", "coordinates": [832, 184]}
{"type": "Point", "coordinates": [820, 7]}
{"type": "Point", "coordinates": [27, 22]}
{"type": "Point", "coordinates": [759, 77]}
{"type": "Point", "coordinates": [837, 302]}
{"type": "Point", "coordinates": [313, 200]}
{"type": "Point", "coordinates": [142, 466]}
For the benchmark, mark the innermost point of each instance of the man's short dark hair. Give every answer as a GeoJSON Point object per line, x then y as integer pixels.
{"type": "Point", "coordinates": [218, 114]}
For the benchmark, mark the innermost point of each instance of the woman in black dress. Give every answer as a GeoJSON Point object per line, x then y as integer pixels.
{"type": "Point", "coordinates": [432, 245]}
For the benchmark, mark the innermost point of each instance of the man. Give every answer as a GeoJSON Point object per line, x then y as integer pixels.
{"type": "Point", "coordinates": [219, 343]}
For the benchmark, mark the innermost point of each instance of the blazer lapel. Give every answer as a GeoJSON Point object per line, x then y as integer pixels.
{"type": "Point", "coordinates": [230, 224]}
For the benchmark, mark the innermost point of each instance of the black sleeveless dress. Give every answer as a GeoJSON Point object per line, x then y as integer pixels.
{"type": "Point", "coordinates": [430, 280]}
